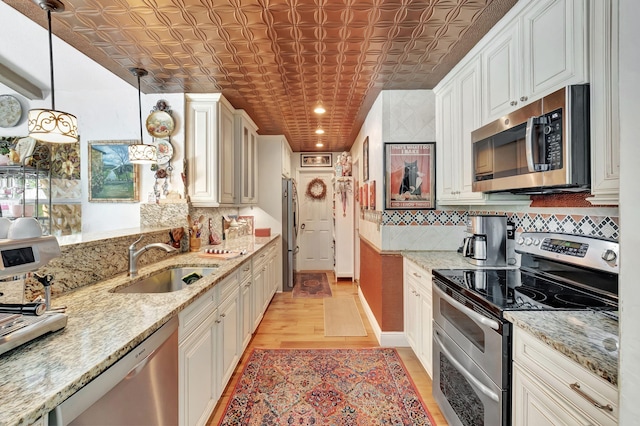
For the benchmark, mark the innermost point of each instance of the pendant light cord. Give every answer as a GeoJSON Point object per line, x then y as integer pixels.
{"type": "Point", "coordinates": [53, 96]}
{"type": "Point", "coordinates": [140, 108]}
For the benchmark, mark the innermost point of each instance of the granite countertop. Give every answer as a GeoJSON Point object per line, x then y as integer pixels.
{"type": "Point", "coordinates": [429, 260]}
{"type": "Point", "coordinates": [102, 327]}
{"type": "Point", "coordinates": [589, 338]}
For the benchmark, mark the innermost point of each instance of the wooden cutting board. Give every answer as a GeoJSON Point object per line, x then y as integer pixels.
{"type": "Point", "coordinates": [225, 256]}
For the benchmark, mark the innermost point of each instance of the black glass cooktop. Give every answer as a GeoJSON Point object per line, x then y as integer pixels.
{"type": "Point", "coordinates": [516, 289]}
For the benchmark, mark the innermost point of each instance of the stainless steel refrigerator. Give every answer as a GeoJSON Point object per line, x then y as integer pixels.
{"type": "Point", "coordinates": [289, 232]}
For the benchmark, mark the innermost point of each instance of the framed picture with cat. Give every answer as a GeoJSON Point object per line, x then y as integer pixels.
{"type": "Point", "coordinates": [410, 176]}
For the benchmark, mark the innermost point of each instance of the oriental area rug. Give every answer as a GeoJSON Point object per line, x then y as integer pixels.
{"type": "Point", "coordinates": [311, 284]}
{"type": "Point", "coordinates": [325, 387]}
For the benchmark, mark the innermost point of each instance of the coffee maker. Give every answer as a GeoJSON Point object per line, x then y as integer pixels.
{"type": "Point", "coordinates": [485, 241]}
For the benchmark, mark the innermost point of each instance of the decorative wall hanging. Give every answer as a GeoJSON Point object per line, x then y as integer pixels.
{"type": "Point", "coordinates": [316, 189]}
{"type": "Point", "coordinates": [365, 159]}
{"type": "Point", "coordinates": [112, 178]}
{"type": "Point", "coordinates": [409, 173]}
{"type": "Point", "coordinates": [365, 198]}
{"type": "Point", "coordinates": [10, 111]}
{"type": "Point", "coordinates": [315, 160]}
{"type": "Point", "coordinates": [372, 195]}
{"type": "Point", "coordinates": [343, 187]}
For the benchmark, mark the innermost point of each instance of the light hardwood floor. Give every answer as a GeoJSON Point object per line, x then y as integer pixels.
{"type": "Point", "coordinates": [299, 323]}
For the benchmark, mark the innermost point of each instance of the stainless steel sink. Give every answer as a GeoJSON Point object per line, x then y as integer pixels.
{"type": "Point", "coordinates": [173, 279]}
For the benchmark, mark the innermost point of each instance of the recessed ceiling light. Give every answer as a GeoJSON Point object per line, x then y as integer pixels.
{"type": "Point", "coordinates": [319, 109]}
{"type": "Point", "coordinates": [319, 144]}
{"type": "Point", "coordinates": [319, 131]}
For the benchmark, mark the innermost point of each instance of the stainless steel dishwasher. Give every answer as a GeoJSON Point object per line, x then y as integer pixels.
{"type": "Point", "coordinates": [139, 389]}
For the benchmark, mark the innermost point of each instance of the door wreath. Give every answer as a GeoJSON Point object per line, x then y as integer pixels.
{"type": "Point", "coordinates": [316, 189]}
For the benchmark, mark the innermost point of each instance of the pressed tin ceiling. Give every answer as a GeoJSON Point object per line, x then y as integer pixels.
{"type": "Point", "coordinates": [277, 58]}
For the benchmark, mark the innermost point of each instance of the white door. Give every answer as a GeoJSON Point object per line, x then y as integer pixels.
{"type": "Point", "coordinates": [315, 238]}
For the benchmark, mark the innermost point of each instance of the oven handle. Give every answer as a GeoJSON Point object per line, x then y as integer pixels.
{"type": "Point", "coordinates": [470, 312]}
{"type": "Point", "coordinates": [482, 388]}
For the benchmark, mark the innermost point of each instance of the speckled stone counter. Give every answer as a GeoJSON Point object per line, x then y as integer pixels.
{"type": "Point", "coordinates": [102, 327]}
{"type": "Point", "coordinates": [589, 338]}
{"type": "Point", "coordinates": [430, 260]}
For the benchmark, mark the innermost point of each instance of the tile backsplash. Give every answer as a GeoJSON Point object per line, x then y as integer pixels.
{"type": "Point", "coordinates": [593, 225]}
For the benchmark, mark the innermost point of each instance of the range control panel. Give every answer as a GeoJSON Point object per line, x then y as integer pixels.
{"type": "Point", "coordinates": [580, 250]}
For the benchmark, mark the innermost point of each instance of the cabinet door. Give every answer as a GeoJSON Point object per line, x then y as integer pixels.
{"type": "Point", "coordinates": [246, 326]}
{"type": "Point", "coordinates": [228, 339]}
{"type": "Point", "coordinates": [412, 306]}
{"type": "Point", "coordinates": [286, 159]}
{"type": "Point", "coordinates": [202, 149]}
{"type": "Point", "coordinates": [258, 294]}
{"type": "Point", "coordinates": [197, 374]}
{"type": "Point", "coordinates": [426, 317]}
{"type": "Point", "coordinates": [446, 137]}
{"type": "Point", "coordinates": [554, 44]}
{"type": "Point", "coordinates": [249, 166]}
{"type": "Point", "coordinates": [536, 405]}
{"type": "Point", "coordinates": [227, 155]}
{"type": "Point", "coordinates": [470, 106]}
{"type": "Point", "coordinates": [500, 74]}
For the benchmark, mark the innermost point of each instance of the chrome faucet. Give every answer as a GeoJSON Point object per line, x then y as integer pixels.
{"type": "Point", "coordinates": [133, 254]}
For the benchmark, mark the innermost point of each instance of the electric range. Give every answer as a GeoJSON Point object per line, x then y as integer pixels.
{"type": "Point", "coordinates": [471, 338]}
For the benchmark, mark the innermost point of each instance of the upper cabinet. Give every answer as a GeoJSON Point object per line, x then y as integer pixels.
{"type": "Point", "coordinates": [605, 132]}
{"type": "Point", "coordinates": [543, 49]}
{"type": "Point", "coordinates": [458, 109]}
{"type": "Point", "coordinates": [221, 152]}
{"type": "Point", "coordinates": [246, 178]}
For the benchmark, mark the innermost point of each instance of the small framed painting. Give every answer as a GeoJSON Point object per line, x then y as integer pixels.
{"type": "Point", "coordinates": [410, 176]}
{"type": "Point", "coordinates": [112, 178]}
{"type": "Point", "coordinates": [365, 196]}
{"type": "Point", "coordinates": [372, 195]}
{"type": "Point", "coordinates": [315, 160]}
{"type": "Point", "coordinates": [365, 159]}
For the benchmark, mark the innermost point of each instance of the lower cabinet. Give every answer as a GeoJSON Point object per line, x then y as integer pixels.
{"type": "Point", "coordinates": [418, 312]}
{"type": "Point", "coordinates": [552, 389]}
{"type": "Point", "coordinates": [228, 339]}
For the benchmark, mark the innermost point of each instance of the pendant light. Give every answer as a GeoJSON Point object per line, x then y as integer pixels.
{"type": "Point", "coordinates": [50, 125]}
{"type": "Point", "coordinates": [141, 153]}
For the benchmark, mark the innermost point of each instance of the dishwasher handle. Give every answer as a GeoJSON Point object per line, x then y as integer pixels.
{"type": "Point", "coordinates": [127, 367]}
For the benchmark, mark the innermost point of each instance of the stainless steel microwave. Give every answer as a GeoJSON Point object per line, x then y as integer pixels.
{"type": "Point", "coordinates": [542, 147]}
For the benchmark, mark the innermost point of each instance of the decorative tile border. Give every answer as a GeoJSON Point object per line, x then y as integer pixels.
{"type": "Point", "coordinates": [597, 226]}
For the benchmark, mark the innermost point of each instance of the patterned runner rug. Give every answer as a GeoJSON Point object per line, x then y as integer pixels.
{"type": "Point", "coordinates": [325, 387]}
{"type": "Point", "coordinates": [311, 284]}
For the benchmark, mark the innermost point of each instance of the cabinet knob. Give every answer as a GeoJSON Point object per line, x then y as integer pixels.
{"type": "Point", "coordinates": [513, 103]}
{"type": "Point", "coordinates": [417, 275]}
{"type": "Point", "coordinates": [523, 98]}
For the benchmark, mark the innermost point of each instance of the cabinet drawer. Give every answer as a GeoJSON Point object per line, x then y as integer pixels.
{"type": "Point", "coordinates": [559, 373]}
{"type": "Point", "coordinates": [245, 271]}
{"type": "Point", "coordinates": [194, 314]}
{"type": "Point", "coordinates": [227, 286]}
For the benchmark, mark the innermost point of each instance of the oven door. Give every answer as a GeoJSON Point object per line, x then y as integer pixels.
{"type": "Point", "coordinates": [480, 335]}
{"type": "Point", "coordinates": [465, 394]}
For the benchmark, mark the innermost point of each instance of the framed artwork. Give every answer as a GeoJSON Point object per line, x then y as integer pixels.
{"type": "Point", "coordinates": [365, 198]}
{"type": "Point", "coordinates": [365, 159]}
{"type": "Point", "coordinates": [372, 195]}
{"type": "Point", "coordinates": [315, 160]}
{"type": "Point", "coordinates": [410, 176]}
{"type": "Point", "coordinates": [112, 178]}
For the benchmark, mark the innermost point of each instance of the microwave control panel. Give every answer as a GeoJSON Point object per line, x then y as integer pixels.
{"type": "Point", "coordinates": [553, 139]}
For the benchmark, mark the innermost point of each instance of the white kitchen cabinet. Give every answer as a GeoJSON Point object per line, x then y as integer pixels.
{"type": "Point", "coordinates": [286, 154]}
{"type": "Point", "coordinates": [246, 304]}
{"type": "Point", "coordinates": [197, 373]}
{"type": "Point", "coordinates": [605, 133]}
{"type": "Point", "coordinates": [543, 49]}
{"type": "Point", "coordinates": [418, 314]}
{"type": "Point", "coordinates": [209, 146]}
{"type": "Point", "coordinates": [552, 389]}
{"type": "Point", "coordinates": [343, 224]}
{"type": "Point", "coordinates": [228, 335]}
{"type": "Point", "coordinates": [458, 109]}
{"type": "Point", "coordinates": [246, 158]}
{"type": "Point", "coordinates": [259, 295]}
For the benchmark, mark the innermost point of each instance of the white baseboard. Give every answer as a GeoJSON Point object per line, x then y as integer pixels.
{"type": "Point", "coordinates": [385, 338]}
